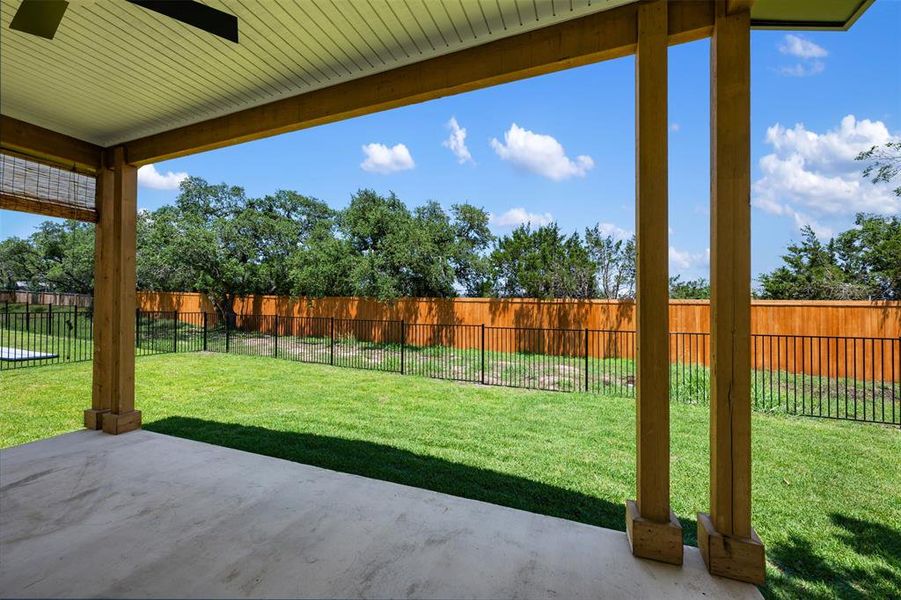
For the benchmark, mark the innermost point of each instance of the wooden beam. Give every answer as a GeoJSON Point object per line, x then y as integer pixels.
{"type": "Point", "coordinates": [736, 6]}
{"type": "Point", "coordinates": [600, 36]}
{"type": "Point", "coordinates": [48, 209]}
{"type": "Point", "coordinates": [112, 403]}
{"type": "Point", "coordinates": [653, 530]}
{"type": "Point", "coordinates": [728, 543]}
{"type": "Point", "coordinates": [48, 146]}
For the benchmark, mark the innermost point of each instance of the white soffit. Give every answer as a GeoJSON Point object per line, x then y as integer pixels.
{"type": "Point", "coordinates": [115, 71]}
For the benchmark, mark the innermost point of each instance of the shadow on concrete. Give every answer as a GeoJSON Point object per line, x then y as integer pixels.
{"type": "Point", "coordinates": [383, 462]}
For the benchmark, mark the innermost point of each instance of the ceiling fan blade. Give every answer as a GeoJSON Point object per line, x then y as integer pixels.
{"type": "Point", "coordinates": [39, 17]}
{"type": "Point", "coordinates": [196, 14]}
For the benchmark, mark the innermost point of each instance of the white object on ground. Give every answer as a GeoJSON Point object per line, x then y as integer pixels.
{"type": "Point", "coordinates": [17, 354]}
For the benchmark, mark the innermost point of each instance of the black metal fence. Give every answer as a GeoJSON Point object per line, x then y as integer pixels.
{"type": "Point", "coordinates": [834, 377]}
{"type": "Point", "coordinates": [47, 336]}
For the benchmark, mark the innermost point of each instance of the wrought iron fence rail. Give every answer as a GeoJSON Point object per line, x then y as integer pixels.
{"type": "Point", "coordinates": [837, 377]}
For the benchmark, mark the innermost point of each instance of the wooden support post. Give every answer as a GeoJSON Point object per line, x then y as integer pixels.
{"type": "Point", "coordinates": [729, 545]}
{"type": "Point", "coordinates": [112, 404]}
{"type": "Point", "coordinates": [654, 532]}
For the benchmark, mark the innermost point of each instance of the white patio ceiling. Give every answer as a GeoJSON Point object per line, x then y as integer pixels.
{"type": "Point", "coordinates": [116, 72]}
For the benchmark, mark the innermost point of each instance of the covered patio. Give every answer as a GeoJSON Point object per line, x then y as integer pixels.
{"type": "Point", "coordinates": [144, 514]}
{"type": "Point", "coordinates": [191, 520]}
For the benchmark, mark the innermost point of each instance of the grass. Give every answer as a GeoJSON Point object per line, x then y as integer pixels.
{"type": "Point", "coordinates": [825, 493]}
{"type": "Point", "coordinates": [864, 399]}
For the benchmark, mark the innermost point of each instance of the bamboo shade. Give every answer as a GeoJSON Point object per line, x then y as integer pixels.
{"type": "Point", "coordinates": [37, 187]}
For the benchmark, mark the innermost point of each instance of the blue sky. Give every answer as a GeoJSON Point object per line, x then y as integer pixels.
{"type": "Point", "coordinates": [561, 146]}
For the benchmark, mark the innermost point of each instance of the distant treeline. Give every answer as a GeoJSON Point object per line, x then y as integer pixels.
{"type": "Point", "coordinates": [217, 240]}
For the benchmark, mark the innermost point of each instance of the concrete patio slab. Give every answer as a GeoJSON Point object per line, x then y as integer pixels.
{"type": "Point", "coordinates": [149, 515]}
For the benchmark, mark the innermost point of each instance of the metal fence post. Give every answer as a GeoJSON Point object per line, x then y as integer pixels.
{"type": "Point", "coordinates": [276, 336]}
{"type": "Point", "coordinates": [403, 342]}
{"type": "Point", "coordinates": [175, 331]}
{"type": "Point", "coordinates": [27, 316]}
{"type": "Point", "coordinates": [49, 319]}
{"type": "Point", "coordinates": [227, 319]}
{"type": "Point", "coordinates": [483, 353]}
{"type": "Point", "coordinates": [204, 331]}
{"type": "Point", "coordinates": [586, 359]}
{"type": "Point", "coordinates": [331, 359]}
{"type": "Point", "coordinates": [137, 328]}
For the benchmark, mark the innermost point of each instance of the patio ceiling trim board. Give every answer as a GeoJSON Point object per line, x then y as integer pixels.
{"type": "Point", "coordinates": [49, 146]}
{"type": "Point", "coordinates": [601, 36]}
{"type": "Point", "coordinates": [842, 23]}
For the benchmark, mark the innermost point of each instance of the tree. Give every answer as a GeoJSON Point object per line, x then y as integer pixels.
{"type": "Point", "coordinates": [431, 249]}
{"type": "Point", "coordinates": [693, 289]}
{"type": "Point", "coordinates": [158, 264]}
{"type": "Point", "coordinates": [377, 229]}
{"type": "Point", "coordinates": [542, 263]}
{"type": "Point", "coordinates": [230, 245]}
{"type": "Point", "coordinates": [884, 163]}
{"type": "Point", "coordinates": [615, 263]}
{"type": "Point", "coordinates": [18, 263]}
{"type": "Point", "coordinates": [57, 257]}
{"type": "Point", "coordinates": [860, 263]}
{"type": "Point", "coordinates": [870, 255]}
{"type": "Point", "coordinates": [811, 272]}
{"type": "Point", "coordinates": [472, 239]}
{"type": "Point", "coordinates": [324, 266]}
{"type": "Point", "coordinates": [394, 252]}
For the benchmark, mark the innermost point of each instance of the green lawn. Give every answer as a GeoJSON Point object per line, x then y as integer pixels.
{"type": "Point", "coordinates": [827, 495]}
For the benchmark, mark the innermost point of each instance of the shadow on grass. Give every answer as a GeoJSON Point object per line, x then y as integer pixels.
{"type": "Point", "coordinates": [801, 564]}
{"type": "Point", "coordinates": [387, 463]}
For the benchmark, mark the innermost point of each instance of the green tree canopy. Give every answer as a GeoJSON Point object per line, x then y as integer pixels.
{"type": "Point", "coordinates": [860, 263]}
{"type": "Point", "coordinates": [692, 289]}
{"type": "Point", "coordinates": [542, 263]}
{"type": "Point", "coordinates": [614, 262]}
{"type": "Point", "coordinates": [56, 257]}
{"type": "Point", "coordinates": [883, 163]}
{"type": "Point", "coordinates": [218, 241]}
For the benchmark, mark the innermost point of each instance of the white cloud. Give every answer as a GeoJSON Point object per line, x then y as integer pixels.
{"type": "Point", "coordinates": [810, 176]}
{"type": "Point", "coordinates": [149, 177]}
{"type": "Point", "coordinates": [456, 142]}
{"type": "Point", "coordinates": [684, 259]}
{"type": "Point", "coordinates": [808, 54]}
{"type": "Point", "coordinates": [382, 159]}
{"type": "Point", "coordinates": [803, 69]}
{"type": "Point", "coordinates": [615, 231]}
{"type": "Point", "coordinates": [520, 216]}
{"type": "Point", "coordinates": [674, 127]}
{"type": "Point", "coordinates": [799, 47]}
{"type": "Point", "coordinates": [540, 154]}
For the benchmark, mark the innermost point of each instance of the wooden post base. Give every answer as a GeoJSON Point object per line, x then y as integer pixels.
{"type": "Point", "coordinates": [743, 559]}
{"type": "Point", "coordinates": [93, 418]}
{"type": "Point", "coordinates": [115, 423]}
{"type": "Point", "coordinates": [651, 539]}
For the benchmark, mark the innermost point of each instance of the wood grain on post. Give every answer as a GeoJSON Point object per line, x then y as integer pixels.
{"type": "Point", "coordinates": [113, 394]}
{"type": "Point", "coordinates": [727, 542]}
{"type": "Point", "coordinates": [653, 530]}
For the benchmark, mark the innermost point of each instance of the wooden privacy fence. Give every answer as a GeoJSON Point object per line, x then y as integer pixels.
{"type": "Point", "coordinates": [836, 339]}
{"type": "Point", "coordinates": [54, 298]}
{"type": "Point", "coordinates": [828, 318]}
